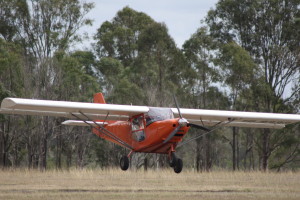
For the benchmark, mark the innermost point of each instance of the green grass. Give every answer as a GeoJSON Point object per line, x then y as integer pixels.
{"type": "Point", "coordinates": [164, 184]}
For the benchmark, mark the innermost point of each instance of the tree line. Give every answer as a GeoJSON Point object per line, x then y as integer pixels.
{"type": "Point", "coordinates": [245, 57]}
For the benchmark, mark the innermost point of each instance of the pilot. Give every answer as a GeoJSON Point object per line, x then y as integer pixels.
{"type": "Point", "coordinates": [135, 124]}
{"type": "Point", "coordinates": [141, 122]}
{"type": "Point", "coordinates": [138, 128]}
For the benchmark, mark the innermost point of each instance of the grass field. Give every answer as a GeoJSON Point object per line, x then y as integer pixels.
{"type": "Point", "coordinates": [116, 184]}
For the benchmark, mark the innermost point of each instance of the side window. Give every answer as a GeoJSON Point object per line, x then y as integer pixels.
{"type": "Point", "coordinates": [137, 126]}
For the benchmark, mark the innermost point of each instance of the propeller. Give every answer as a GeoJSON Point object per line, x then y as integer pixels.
{"type": "Point", "coordinates": [172, 134]}
{"type": "Point", "coordinates": [177, 106]}
{"type": "Point", "coordinates": [182, 122]}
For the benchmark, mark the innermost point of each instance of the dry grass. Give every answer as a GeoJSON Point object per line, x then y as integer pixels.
{"type": "Point", "coordinates": [116, 184]}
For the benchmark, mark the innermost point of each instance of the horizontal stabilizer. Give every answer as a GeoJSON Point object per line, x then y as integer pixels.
{"type": "Point", "coordinates": [82, 123]}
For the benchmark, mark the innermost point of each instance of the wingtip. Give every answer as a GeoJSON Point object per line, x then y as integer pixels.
{"type": "Point", "coordinates": [7, 103]}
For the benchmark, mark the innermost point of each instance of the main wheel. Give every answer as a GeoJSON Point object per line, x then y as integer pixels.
{"type": "Point", "coordinates": [124, 163]}
{"type": "Point", "coordinates": [173, 160]}
{"type": "Point", "coordinates": [178, 166]}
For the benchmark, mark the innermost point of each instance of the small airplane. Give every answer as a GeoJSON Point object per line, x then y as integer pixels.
{"type": "Point", "coordinates": [142, 128]}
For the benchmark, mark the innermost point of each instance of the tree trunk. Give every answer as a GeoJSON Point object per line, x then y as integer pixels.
{"type": "Point", "coordinates": [69, 157]}
{"type": "Point", "coordinates": [44, 144]}
{"type": "Point", "coordinates": [237, 150]}
{"type": "Point", "coordinates": [29, 156]}
{"type": "Point", "coordinates": [249, 152]}
{"type": "Point", "coordinates": [145, 164]}
{"type": "Point", "coordinates": [6, 142]}
{"type": "Point", "coordinates": [265, 149]}
{"type": "Point", "coordinates": [199, 166]}
{"type": "Point", "coordinates": [16, 160]}
{"type": "Point", "coordinates": [208, 153]}
{"type": "Point", "coordinates": [234, 148]}
{"type": "Point", "coordinates": [246, 152]}
{"type": "Point", "coordinates": [44, 152]}
{"type": "Point", "coordinates": [58, 148]}
{"type": "Point", "coordinates": [2, 145]}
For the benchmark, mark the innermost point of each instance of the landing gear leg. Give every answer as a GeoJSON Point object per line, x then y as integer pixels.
{"type": "Point", "coordinates": [173, 159]}
{"type": "Point", "coordinates": [176, 163]}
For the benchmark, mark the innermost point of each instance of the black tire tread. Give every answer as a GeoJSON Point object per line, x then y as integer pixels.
{"type": "Point", "coordinates": [178, 166]}
{"type": "Point", "coordinates": [124, 163]}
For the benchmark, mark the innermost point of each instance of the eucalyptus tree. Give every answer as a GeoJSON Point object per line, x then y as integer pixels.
{"type": "Point", "coordinates": [42, 28]}
{"type": "Point", "coordinates": [159, 62]}
{"type": "Point", "coordinates": [77, 81]}
{"type": "Point", "coordinates": [11, 84]}
{"type": "Point", "coordinates": [269, 32]}
{"type": "Point", "coordinates": [199, 53]}
{"type": "Point", "coordinates": [238, 72]}
{"type": "Point", "coordinates": [144, 54]}
{"type": "Point", "coordinates": [119, 38]}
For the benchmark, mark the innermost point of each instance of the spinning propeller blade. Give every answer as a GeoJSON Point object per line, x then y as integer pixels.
{"type": "Point", "coordinates": [172, 134]}
{"type": "Point", "coordinates": [177, 106]}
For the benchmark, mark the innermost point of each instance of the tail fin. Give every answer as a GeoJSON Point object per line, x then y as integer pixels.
{"type": "Point", "coordinates": [99, 98]}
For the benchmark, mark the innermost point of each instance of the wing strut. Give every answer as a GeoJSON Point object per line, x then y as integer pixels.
{"type": "Point", "coordinates": [102, 130]}
{"type": "Point", "coordinates": [215, 127]}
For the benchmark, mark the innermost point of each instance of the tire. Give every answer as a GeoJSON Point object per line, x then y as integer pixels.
{"type": "Point", "coordinates": [124, 163]}
{"type": "Point", "coordinates": [173, 160]}
{"type": "Point", "coordinates": [178, 166]}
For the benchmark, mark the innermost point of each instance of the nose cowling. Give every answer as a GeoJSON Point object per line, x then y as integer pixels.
{"type": "Point", "coordinates": [182, 122]}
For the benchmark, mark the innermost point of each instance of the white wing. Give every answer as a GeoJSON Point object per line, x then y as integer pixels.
{"type": "Point", "coordinates": [123, 112]}
{"type": "Point", "coordinates": [237, 118]}
{"type": "Point", "coordinates": [69, 109]}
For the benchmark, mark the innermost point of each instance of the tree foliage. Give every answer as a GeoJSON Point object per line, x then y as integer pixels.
{"type": "Point", "coordinates": [145, 56]}
{"type": "Point", "coordinates": [263, 28]}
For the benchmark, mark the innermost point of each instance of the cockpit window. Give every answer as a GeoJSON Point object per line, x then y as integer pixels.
{"type": "Point", "coordinates": [137, 126]}
{"type": "Point", "coordinates": [158, 114]}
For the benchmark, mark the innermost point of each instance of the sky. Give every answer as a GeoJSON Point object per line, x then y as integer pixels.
{"type": "Point", "coordinates": [182, 17]}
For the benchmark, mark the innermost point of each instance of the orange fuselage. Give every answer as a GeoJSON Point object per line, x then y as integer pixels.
{"type": "Point", "coordinates": [153, 137]}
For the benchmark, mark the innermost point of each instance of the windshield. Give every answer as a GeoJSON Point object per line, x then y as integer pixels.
{"type": "Point", "coordinates": [158, 114]}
